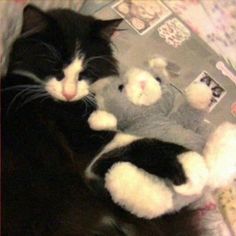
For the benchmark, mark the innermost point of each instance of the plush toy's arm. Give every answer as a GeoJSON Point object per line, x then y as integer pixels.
{"type": "Point", "coordinates": [102, 120]}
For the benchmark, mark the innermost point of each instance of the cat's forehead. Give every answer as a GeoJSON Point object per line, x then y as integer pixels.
{"type": "Point", "coordinates": [71, 23]}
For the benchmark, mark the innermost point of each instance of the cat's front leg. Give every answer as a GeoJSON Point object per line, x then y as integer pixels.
{"type": "Point", "coordinates": [196, 172]}
{"type": "Point", "coordinates": [102, 120]}
{"type": "Point", "coordinates": [154, 156]}
{"type": "Point", "coordinates": [185, 170]}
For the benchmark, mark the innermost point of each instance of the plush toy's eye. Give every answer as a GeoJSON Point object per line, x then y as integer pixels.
{"type": "Point", "coordinates": [120, 87]}
{"type": "Point", "coordinates": [158, 79]}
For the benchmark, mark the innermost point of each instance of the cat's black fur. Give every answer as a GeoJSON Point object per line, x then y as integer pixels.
{"type": "Point", "coordinates": [47, 44]}
{"type": "Point", "coordinates": [47, 144]}
{"type": "Point", "coordinates": [154, 156]}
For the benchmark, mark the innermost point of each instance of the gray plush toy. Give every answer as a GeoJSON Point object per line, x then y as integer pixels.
{"type": "Point", "coordinates": [142, 105]}
{"type": "Point", "coordinates": [147, 106]}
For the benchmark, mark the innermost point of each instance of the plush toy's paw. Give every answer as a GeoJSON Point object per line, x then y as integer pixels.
{"type": "Point", "coordinates": [137, 191]}
{"type": "Point", "coordinates": [220, 155]}
{"type": "Point", "coordinates": [102, 120]}
{"type": "Point", "coordinates": [196, 172]}
{"type": "Point", "coordinates": [199, 95]}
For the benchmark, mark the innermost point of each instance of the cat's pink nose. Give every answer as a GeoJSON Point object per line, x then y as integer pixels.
{"type": "Point", "coordinates": [68, 96]}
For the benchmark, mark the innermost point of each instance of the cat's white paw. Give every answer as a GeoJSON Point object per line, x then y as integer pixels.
{"type": "Point", "coordinates": [198, 95]}
{"type": "Point", "coordinates": [196, 172]}
{"type": "Point", "coordinates": [139, 192]}
{"type": "Point", "coordinates": [220, 155]}
{"type": "Point", "coordinates": [102, 120]}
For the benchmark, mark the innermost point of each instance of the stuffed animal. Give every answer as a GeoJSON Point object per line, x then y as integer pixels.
{"type": "Point", "coordinates": [143, 105]}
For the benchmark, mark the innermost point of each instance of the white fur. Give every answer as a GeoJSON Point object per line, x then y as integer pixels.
{"type": "Point", "coordinates": [102, 120]}
{"type": "Point", "coordinates": [142, 194]}
{"type": "Point", "coordinates": [118, 141]}
{"type": "Point", "coordinates": [69, 88]}
{"type": "Point", "coordinates": [196, 172]}
{"type": "Point", "coordinates": [55, 88]}
{"type": "Point", "coordinates": [157, 62]}
{"type": "Point", "coordinates": [220, 155]}
{"type": "Point", "coordinates": [142, 96]}
{"type": "Point", "coordinates": [199, 95]}
{"type": "Point", "coordinates": [159, 66]}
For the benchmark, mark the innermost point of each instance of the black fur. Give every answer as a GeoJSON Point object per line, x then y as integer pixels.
{"type": "Point", "coordinates": [48, 43]}
{"type": "Point", "coordinates": [46, 145]}
{"type": "Point", "coordinates": [152, 155]}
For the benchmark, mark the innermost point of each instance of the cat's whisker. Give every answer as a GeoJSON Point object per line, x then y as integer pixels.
{"type": "Point", "coordinates": [91, 99]}
{"type": "Point", "coordinates": [32, 98]}
{"type": "Point", "coordinates": [103, 57]}
{"type": "Point", "coordinates": [93, 58]}
{"type": "Point", "coordinates": [88, 101]}
{"type": "Point", "coordinates": [46, 97]}
{"type": "Point", "coordinates": [91, 95]}
{"type": "Point", "coordinates": [50, 60]}
{"type": "Point", "coordinates": [23, 92]}
{"type": "Point", "coordinates": [114, 71]}
{"type": "Point", "coordinates": [50, 48]}
{"type": "Point", "coordinates": [21, 87]}
{"type": "Point", "coordinates": [16, 63]}
{"type": "Point", "coordinates": [86, 108]}
{"type": "Point", "coordinates": [93, 73]}
{"type": "Point", "coordinates": [85, 100]}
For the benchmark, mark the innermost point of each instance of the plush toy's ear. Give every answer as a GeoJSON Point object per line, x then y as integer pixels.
{"type": "Point", "coordinates": [34, 20]}
{"type": "Point", "coordinates": [158, 66]}
{"type": "Point", "coordinates": [100, 84]}
{"type": "Point", "coordinates": [173, 69]}
{"type": "Point", "coordinates": [107, 27]}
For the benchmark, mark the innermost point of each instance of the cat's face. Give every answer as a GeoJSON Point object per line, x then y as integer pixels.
{"type": "Point", "coordinates": [64, 51]}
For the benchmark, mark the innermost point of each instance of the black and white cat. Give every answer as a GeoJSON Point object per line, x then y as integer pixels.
{"type": "Point", "coordinates": [46, 140]}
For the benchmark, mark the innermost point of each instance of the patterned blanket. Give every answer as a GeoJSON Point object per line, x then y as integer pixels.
{"type": "Point", "coordinates": [202, 17]}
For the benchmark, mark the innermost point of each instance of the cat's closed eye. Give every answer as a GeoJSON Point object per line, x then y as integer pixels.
{"type": "Point", "coordinates": [59, 76]}
{"type": "Point", "coordinates": [83, 76]}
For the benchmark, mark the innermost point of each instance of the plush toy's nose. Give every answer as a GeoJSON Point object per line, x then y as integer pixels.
{"type": "Point", "coordinates": [143, 84]}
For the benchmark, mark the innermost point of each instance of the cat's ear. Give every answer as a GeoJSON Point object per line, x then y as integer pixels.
{"type": "Point", "coordinates": [107, 27]}
{"type": "Point", "coordinates": [34, 20]}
